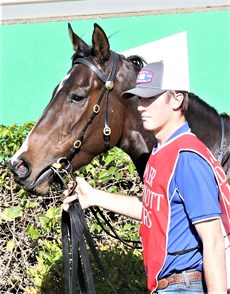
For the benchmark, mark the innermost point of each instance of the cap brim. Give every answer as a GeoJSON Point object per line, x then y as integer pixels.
{"type": "Point", "coordinates": [142, 92]}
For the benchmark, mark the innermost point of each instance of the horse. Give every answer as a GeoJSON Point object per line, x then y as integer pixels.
{"type": "Point", "coordinates": [87, 116]}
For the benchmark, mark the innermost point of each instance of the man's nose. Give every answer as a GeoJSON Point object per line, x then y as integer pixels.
{"type": "Point", "coordinates": [140, 107]}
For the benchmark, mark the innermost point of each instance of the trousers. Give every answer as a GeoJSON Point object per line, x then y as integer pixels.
{"type": "Point", "coordinates": [191, 287]}
{"type": "Point", "coordinates": [184, 287]}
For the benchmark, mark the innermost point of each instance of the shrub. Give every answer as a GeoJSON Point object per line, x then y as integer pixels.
{"type": "Point", "coordinates": [30, 244]}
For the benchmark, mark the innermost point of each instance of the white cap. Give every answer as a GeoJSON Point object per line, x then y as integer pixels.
{"type": "Point", "coordinates": [156, 78]}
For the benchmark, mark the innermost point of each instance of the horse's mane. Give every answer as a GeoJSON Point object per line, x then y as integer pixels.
{"type": "Point", "coordinates": [201, 105]}
{"type": "Point", "coordinates": [197, 101]}
{"type": "Point", "coordinates": [137, 61]}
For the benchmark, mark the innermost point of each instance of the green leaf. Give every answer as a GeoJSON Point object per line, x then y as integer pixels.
{"type": "Point", "coordinates": [103, 174]}
{"type": "Point", "coordinates": [9, 214]}
{"type": "Point", "coordinates": [128, 226]}
{"type": "Point", "coordinates": [31, 204]}
{"type": "Point", "coordinates": [117, 175]}
{"type": "Point", "coordinates": [109, 159]}
{"type": "Point", "coordinates": [93, 227]}
{"type": "Point", "coordinates": [10, 245]}
{"type": "Point", "coordinates": [50, 213]}
{"type": "Point", "coordinates": [131, 168]}
{"type": "Point", "coordinates": [38, 281]}
{"type": "Point", "coordinates": [35, 234]}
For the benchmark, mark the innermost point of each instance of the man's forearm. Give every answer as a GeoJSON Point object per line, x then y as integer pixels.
{"type": "Point", "coordinates": [215, 268]}
{"type": "Point", "coordinates": [214, 262]}
{"type": "Point", "coordinates": [130, 206]}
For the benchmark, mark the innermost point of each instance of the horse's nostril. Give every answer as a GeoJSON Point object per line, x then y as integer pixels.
{"type": "Point", "coordinates": [20, 168]}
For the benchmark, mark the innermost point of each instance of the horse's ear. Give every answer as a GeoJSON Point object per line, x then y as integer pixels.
{"type": "Point", "coordinates": [78, 43]}
{"type": "Point", "coordinates": [100, 43]}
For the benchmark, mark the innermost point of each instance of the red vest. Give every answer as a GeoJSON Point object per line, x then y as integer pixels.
{"type": "Point", "coordinates": [156, 209]}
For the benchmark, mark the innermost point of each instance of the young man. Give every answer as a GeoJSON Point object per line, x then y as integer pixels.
{"type": "Point", "coordinates": [183, 244]}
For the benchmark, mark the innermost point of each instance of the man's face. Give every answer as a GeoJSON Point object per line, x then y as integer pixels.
{"type": "Point", "coordinates": [156, 111]}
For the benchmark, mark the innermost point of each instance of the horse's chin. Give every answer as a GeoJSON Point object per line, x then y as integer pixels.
{"type": "Point", "coordinates": [40, 189]}
{"type": "Point", "coordinates": [42, 184]}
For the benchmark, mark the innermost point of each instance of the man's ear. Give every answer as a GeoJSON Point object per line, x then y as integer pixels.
{"type": "Point", "coordinates": [178, 100]}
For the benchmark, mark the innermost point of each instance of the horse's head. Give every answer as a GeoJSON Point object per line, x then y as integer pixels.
{"type": "Point", "coordinates": [85, 116]}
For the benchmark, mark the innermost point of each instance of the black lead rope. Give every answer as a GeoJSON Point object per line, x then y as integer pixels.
{"type": "Point", "coordinates": [77, 269]}
{"type": "Point", "coordinates": [130, 243]}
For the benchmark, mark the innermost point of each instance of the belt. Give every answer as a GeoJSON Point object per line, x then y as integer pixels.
{"type": "Point", "coordinates": [179, 278]}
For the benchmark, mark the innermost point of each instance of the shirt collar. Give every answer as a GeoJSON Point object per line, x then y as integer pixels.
{"type": "Point", "coordinates": [183, 129]}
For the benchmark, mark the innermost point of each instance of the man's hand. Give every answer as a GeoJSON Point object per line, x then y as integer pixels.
{"type": "Point", "coordinates": [83, 192]}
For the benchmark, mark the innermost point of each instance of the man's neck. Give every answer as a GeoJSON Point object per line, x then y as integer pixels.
{"type": "Point", "coordinates": [168, 130]}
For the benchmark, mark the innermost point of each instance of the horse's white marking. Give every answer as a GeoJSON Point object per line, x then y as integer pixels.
{"type": "Point", "coordinates": [22, 149]}
{"type": "Point", "coordinates": [63, 82]}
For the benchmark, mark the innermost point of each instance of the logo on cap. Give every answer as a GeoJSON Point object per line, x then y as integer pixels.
{"type": "Point", "coordinates": [144, 76]}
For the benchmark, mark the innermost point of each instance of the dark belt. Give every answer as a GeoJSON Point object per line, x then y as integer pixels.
{"type": "Point", "coordinates": [179, 278]}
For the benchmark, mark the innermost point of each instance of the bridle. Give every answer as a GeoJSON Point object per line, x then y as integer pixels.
{"type": "Point", "coordinates": [74, 228]}
{"type": "Point", "coordinates": [108, 87]}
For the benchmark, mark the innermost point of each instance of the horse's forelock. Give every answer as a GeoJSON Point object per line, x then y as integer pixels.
{"type": "Point", "coordinates": [81, 54]}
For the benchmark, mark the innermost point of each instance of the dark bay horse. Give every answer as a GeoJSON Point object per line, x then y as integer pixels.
{"type": "Point", "coordinates": [87, 116]}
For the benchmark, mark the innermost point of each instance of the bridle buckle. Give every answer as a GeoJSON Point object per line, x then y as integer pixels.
{"type": "Point", "coordinates": [107, 131]}
{"type": "Point", "coordinates": [77, 144]}
{"type": "Point", "coordinates": [96, 108]}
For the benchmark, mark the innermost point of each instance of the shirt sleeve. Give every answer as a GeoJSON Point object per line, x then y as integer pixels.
{"type": "Point", "coordinates": [198, 187]}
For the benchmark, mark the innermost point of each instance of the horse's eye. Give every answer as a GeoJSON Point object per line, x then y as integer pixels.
{"type": "Point", "coordinates": [76, 98]}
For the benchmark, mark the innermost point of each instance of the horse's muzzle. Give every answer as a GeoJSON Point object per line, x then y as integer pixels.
{"type": "Point", "coordinates": [20, 169]}
{"type": "Point", "coordinates": [38, 185]}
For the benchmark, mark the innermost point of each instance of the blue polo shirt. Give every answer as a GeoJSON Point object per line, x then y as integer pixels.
{"type": "Point", "coordinates": [193, 198]}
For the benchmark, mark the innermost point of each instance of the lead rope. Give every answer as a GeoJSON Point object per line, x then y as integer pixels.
{"type": "Point", "coordinates": [75, 232]}
{"type": "Point", "coordinates": [78, 269]}
{"type": "Point", "coordinates": [80, 237]}
{"type": "Point", "coordinates": [96, 210]}
{"type": "Point", "coordinates": [75, 239]}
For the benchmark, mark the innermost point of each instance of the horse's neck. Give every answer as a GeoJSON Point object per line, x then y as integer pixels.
{"type": "Point", "coordinates": [205, 123]}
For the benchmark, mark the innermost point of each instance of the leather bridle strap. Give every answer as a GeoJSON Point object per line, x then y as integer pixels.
{"type": "Point", "coordinates": [96, 211]}
{"type": "Point", "coordinates": [108, 86]}
{"type": "Point", "coordinates": [97, 72]}
{"type": "Point", "coordinates": [75, 229]}
{"type": "Point", "coordinates": [92, 68]}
